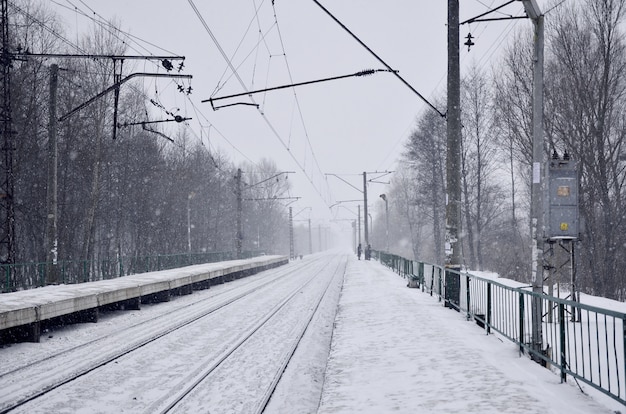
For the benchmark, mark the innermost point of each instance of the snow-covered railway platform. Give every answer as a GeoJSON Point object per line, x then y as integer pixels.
{"type": "Point", "coordinates": [22, 312]}
{"type": "Point", "coordinates": [399, 350]}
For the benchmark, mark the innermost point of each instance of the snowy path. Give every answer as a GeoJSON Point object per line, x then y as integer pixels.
{"type": "Point", "coordinates": [399, 350]}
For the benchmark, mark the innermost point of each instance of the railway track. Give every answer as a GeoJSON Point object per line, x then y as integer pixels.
{"type": "Point", "coordinates": [196, 389]}
{"type": "Point", "coordinates": [157, 339]}
{"type": "Point", "coordinates": [53, 371]}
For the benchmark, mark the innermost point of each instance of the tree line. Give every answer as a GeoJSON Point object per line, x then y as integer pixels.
{"type": "Point", "coordinates": [137, 195]}
{"type": "Point", "coordinates": [585, 107]}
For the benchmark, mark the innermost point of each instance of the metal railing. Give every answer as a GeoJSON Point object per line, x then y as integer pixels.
{"type": "Point", "coordinates": [23, 276]}
{"type": "Point", "coordinates": [584, 342]}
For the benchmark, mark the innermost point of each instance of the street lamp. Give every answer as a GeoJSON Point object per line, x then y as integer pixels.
{"type": "Point", "coordinates": [384, 197]}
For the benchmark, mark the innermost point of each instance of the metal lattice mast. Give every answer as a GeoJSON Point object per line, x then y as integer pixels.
{"type": "Point", "coordinates": [7, 209]}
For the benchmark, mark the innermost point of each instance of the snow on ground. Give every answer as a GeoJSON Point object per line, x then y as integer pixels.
{"type": "Point", "coordinates": [396, 349]}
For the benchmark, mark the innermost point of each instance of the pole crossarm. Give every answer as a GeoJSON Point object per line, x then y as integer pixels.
{"type": "Point", "coordinates": [350, 184]}
{"type": "Point", "coordinates": [530, 6]}
{"type": "Point", "coordinates": [177, 118]}
{"type": "Point", "coordinates": [301, 210]}
{"type": "Point", "coordinates": [117, 85]}
{"type": "Point", "coordinates": [366, 72]}
{"type": "Point", "coordinates": [344, 201]}
{"type": "Point", "coordinates": [383, 174]}
{"type": "Point", "coordinates": [114, 57]}
{"type": "Point", "coordinates": [267, 179]}
{"type": "Point", "coordinates": [478, 18]}
{"type": "Point", "coordinates": [273, 198]}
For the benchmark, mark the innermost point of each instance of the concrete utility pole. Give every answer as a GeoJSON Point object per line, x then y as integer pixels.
{"type": "Point", "coordinates": [536, 208]}
{"type": "Point", "coordinates": [367, 238]}
{"type": "Point", "coordinates": [453, 159]}
{"type": "Point", "coordinates": [319, 237]}
{"type": "Point", "coordinates": [310, 239]}
{"type": "Point", "coordinates": [358, 222]}
{"type": "Point", "coordinates": [239, 235]}
{"type": "Point", "coordinates": [51, 239]}
{"type": "Point", "coordinates": [384, 197]}
{"type": "Point", "coordinates": [292, 249]}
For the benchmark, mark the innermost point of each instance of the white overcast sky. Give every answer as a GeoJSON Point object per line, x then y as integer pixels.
{"type": "Point", "coordinates": [353, 125]}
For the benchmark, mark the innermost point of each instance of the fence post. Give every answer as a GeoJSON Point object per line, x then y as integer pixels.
{"type": "Point", "coordinates": [42, 274]}
{"type": "Point", "coordinates": [624, 332]}
{"type": "Point", "coordinates": [562, 323]}
{"type": "Point", "coordinates": [467, 287]}
{"type": "Point", "coordinates": [440, 284]}
{"type": "Point", "coordinates": [432, 281]}
{"type": "Point", "coordinates": [488, 308]}
{"type": "Point", "coordinates": [521, 322]}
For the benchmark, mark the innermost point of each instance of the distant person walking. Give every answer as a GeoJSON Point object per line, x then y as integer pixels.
{"type": "Point", "coordinates": [358, 251]}
{"type": "Point", "coordinates": [368, 252]}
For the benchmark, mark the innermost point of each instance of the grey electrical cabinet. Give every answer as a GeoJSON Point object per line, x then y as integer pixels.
{"type": "Point", "coordinates": [562, 199]}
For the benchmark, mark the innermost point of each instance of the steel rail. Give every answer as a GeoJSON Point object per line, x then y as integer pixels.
{"type": "Point", "coordinates": [167, 405]}
{"type": "Point", "coordinates": [292, 350]}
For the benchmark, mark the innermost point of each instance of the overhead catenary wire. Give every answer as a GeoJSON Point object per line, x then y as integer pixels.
{"type": "Point", "coordinates": [426, 101]}
{"type": "Point", "coordinates": [243, 85]}
{"type": "Point", "coordinates": [102, 22]}
{"type": "Point", "coordinates": [262, 36]}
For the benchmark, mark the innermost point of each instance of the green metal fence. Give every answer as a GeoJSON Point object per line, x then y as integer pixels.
{"type": "Point", "coordinates": [30, 275]}
{"type": "Point", "coordinates": [584, 342]}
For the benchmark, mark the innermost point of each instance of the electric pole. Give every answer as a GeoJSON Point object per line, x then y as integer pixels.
{"type": "Point", "coordinates": [239, 235]}
{"type": "Point", "coordinates": [319, 236]}
{"type": "Point", "coordinates": [536, 208]}
{"type": "Point", "coordinates": [365, 228]}
{"type": "Point", "coordinates": [7, 182]}
{"type": "Point", "coordinates": [384, 197]}
{"type": "Point", "coordinates": [51, 242]}
{"type": "Point", "coordinates": [453, 159]}
{"type": "Point", "coordinates": [310, 239]}
{"type": "Point", "coordinates": [292, 253]}
{"type": "Point", "coordinates": [358, 223]}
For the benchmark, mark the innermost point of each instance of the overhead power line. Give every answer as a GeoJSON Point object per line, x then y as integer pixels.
{"type": "Point", "coordinates": [243, 85]}
{"type": "Point", "coordinates": [380, 59]}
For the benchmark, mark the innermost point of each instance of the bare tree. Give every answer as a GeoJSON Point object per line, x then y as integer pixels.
{"type": "Point", "coordinates": [425, 152]}
{"type": "Point", "coordinates": [587, 100]}
{"type": "Point", "coordinates": [480, 163]}
{"type": "Point", "coordinates": [405, 216]}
